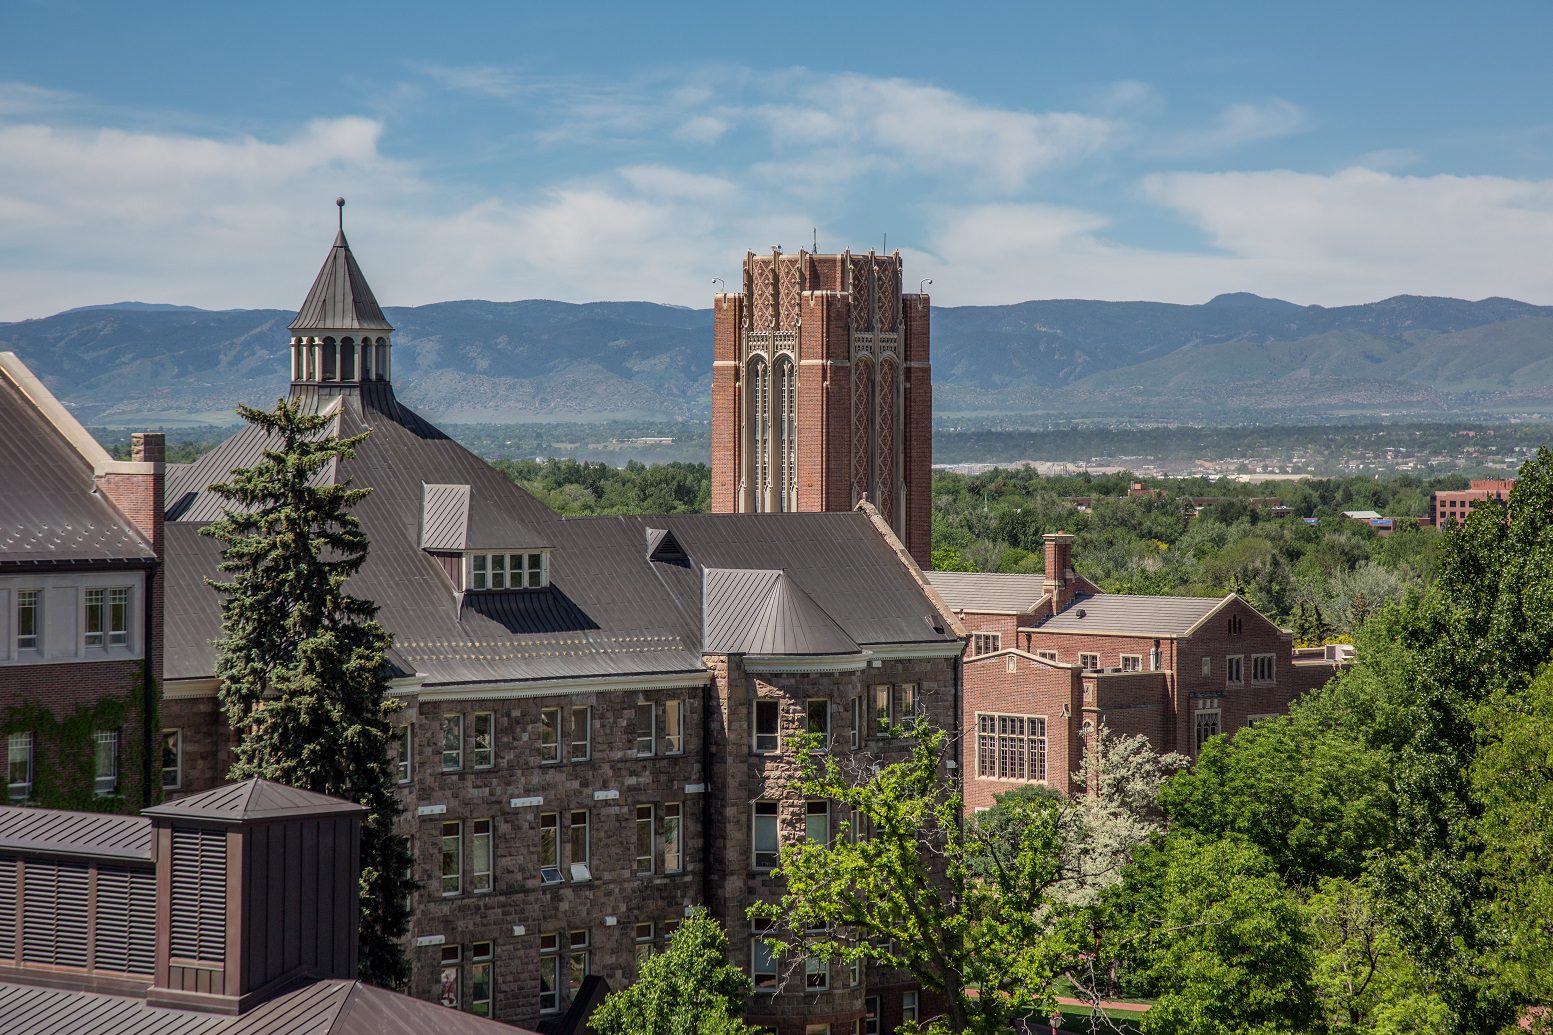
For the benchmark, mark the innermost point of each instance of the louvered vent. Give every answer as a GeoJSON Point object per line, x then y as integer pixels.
{"type": "Point", "coordinates": [7, 909]}
{"type": "Point", "coordinates": [199, 895]}
{"type": "Point", "coordinates": [55, 923]}
{"type": "Point", "coordinates": [126, 920]}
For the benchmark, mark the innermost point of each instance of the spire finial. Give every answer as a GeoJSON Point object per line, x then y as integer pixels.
{"type": "Point", "coordinates": [340, 203]}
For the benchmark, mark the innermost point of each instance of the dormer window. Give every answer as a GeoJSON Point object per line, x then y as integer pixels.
{"type": "Point", "coordinates": [530, 570]}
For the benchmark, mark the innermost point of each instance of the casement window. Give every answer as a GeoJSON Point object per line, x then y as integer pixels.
{"type": "Point", "coordinates": [29, 619]}
{"type": "Point", "coordinates": [985, 643]}
{"type": "Point", "coordinates": [484, 740]}
{"type": "Point", "coordinates": [1234, 669]}
{"type": "Point", "coordinates": [453, 857]}
{"type": "Point", "coordinates": [673, 846]}
{"type": "Point", "coordinates": [644, 942]}
{"type": "Point", "coordinates": [764, 823]}
{"type": "Point", "coordinates": [550, 847]}
{"type": "Point", "coordinates": [452, 743]}
{"type": "Point", "coordinates": [1132, 662]}
{"type": "Point", "coordinates": [818, 714]}
{"type": "Point", "coordinates": [1046, 655]}
{"type": "Point", "coordinates": [482, 965]}
{"type": "Point", "coordinates": [550, 972]}
{"type": "Point", "coordinates": [480, 850]}
{"type": "Point", "coordinates": [508, 570]}
{"type": "Point", "coordinates": [646, 729]}
{"type": "Point", "coordinates": [871, 1015]}
{"type": "Point", "coordinates": [549, 736]}
{"type": "Point", "coordinates": [404, 737]}
{"type": "Point", "coordinates": [578, 842]}
{"type": "Point", "coordinates": [105, 762]}
{"type": "Point", "coordinates": [1207, 727]}
{"type": "Point", "coordinates": [1089, 662]}
{"type": "Point", "coordinates": [858, 711]}
{"type": "Point", "coordinates": [582, 733]}
{"type": "Point", "coordinates": [763, 960]}
{"type": "Point", "coordinates": [172, 759]}
{"type": "Point", "coordinates": [1010, 747]}
{"type": "Point", "coordinates": [1207, 667]}
{"type": "Point", "coordinates": [1262, 667]}
{"type": "Point", "coordinates": [854, 973]}
{"type": "Point", "coordinates": [644, 840]}
{"type": "Point", "coordinates": [905, 701]}
{"type": "Point", "coordinates": [576, 961]}
{"type": "Point", "coordinates": [95, 618]}
{"type": "Point", "coordinates": [674, 727]}
{"type": "Point", "coordinates": [450, 993]}
{"type": "Point", "coordinates": [816, 976]}
{"type": "Point", "coordinates": [768, 724]}
{"type": "Point", "coordinates": [817, 822]}
{"type": "Point", "coordinates": [19, 765]}
{"type": "Point", "coordinates": [881, 695]}
{"type": "Point", "coordinates": [909, 1006]}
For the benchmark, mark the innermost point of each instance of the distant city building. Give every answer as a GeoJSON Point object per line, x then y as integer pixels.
{"type": "Point", "coordinates": [1450, 506]}
{"type": "Point", "coordinates": [821, 392]}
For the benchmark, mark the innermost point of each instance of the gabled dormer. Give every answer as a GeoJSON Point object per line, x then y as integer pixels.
{"type": "Point", "coordinates": [481, 547]}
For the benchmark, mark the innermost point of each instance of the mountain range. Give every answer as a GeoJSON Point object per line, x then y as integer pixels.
{"type": "Point", "coordinates": [141, 364]}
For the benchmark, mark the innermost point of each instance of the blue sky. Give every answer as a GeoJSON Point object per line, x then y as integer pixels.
{"type": "Point", "coordinates": [1325, 153]}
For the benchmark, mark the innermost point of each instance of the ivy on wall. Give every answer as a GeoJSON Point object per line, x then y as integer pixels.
{"type": "Point", "coordinates": [64, 752]}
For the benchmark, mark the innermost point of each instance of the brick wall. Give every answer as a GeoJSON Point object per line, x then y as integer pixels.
{"type": "Point", "coordinates": [1010, 684]}
{"type": "Point", "coordinates": [727, 325]}
{"type": "Point", "coordinates": [917, 427]}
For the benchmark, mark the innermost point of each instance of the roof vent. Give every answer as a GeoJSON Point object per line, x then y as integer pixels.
{"type": "Point", "coordinates": [662, 546]}
{"type": "Point", "coordinates": [1081, 612]}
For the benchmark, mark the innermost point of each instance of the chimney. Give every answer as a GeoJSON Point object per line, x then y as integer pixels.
{"type": "Point", "coordinates": [137, 486]}
{"type": "Point", "coordinates": [1059, 569]}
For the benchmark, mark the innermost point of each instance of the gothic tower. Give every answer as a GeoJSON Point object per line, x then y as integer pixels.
{"type": "Point", "coordinates": [821, 391]}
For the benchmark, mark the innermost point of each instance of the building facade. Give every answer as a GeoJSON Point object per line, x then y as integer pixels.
{"type": "Point", "coordinates": [1453, 506]}
{"type": "Point", "coordinates": [80, 605]}
{"type": "Point", "coordinates": [821, 391]}
{"type": "Point", "coordinates": [596, 714]}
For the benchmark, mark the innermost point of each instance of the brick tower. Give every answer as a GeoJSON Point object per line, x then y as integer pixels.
{"type": "Point", "coordinates": [822, 394]}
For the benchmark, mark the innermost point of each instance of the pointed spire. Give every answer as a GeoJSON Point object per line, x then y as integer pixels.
{"type": "Point", "coordinates": [340, 299]}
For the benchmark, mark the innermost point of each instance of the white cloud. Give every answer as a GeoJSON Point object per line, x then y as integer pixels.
{"type": "Point", "coordinates": [1240, 124]}
{"type": "Point", "coordinates": [702, 129]}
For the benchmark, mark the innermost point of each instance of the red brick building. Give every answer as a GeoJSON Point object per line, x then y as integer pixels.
{"type": "Point", "coordinates": [1050, 657]}
{"type": "Point", "coordinates": [821, 392]}
{"type": "Point", "coordinates": [80, 606]}
{"type": "Point", "coordinates": [1454, 505]}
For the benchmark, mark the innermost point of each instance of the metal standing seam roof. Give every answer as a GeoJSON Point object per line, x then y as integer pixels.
{"type": "Point", "coordinates": [1118, 613]}
{"type": "Point", "coordinates": [987, 591]}
{"type": "Point", "coordinates": [53, 832]}
{"type": "Point", "coordinates": [444, 517]}
{"type": "Point", "coordinates": [250, 800]}
{"type": "Point", "coordinates": [340, 299]}
{"type": "Point", "coordinates": [747, 611]}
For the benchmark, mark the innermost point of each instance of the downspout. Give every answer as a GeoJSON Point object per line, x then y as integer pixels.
{"type": "Point", "coordinates": [708, 694]}
{"type": "Point", "coordinates": [149, 695]}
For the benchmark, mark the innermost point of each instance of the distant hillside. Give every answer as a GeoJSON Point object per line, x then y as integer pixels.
{"type": "Point", "coordinates": [511, 362]}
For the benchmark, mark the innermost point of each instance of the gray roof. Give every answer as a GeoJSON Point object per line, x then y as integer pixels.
{"type": "Point", "coordinates": [251, 800]}
{"type": "Point", "coordinates": [98, 834]}
{"type": "Point", "coordinates": [444, 517]}
{"type": "Point", "coordinates": [988, 592]}
{"type": "Point", "coordinates": [335, 1007]}
{"type": "Point", "coordinates": [750, 611]}
{"type": "Point", "coordinates": [340, 299]}
{"type": "Point", "coordinates": [50, 511]}
{"type": "Point", "coordinates": [1117, 613]}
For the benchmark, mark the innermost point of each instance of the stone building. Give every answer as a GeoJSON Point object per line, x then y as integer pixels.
{"type": "Point", "coordinates": [596, 712]}
{"type": "Point", "coordinates": [1050, 657]}
{"type": "Point", "coordinates": [821, 392]}
{"type": "Point", "coordinates": [80, 605]}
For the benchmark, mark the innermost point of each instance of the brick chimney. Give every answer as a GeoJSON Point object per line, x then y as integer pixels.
{"type": "Point", "coordinates": [1059, 569]}
{"type": "Point", "coordinates": [137, 487]}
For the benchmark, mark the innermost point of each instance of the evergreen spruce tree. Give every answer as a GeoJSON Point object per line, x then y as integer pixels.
{"type": "Point", "coordinates": [303, 677]}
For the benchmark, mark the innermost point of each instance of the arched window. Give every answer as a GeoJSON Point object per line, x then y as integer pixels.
{"type": "Point", "coordinates": [380, 365]}
{"type": "Point", "coordinates": [297, 362]}
{"type": "Point", "coordinates": [347, 359]}
{"type": "Point", "coordinates": [785, 388]}
{"type": "Point", "coordinates": [329, 364]}
{"type": "Point", "coordinates": [862, 429]}
{"type": "Point", "coordinates": [758, 403]}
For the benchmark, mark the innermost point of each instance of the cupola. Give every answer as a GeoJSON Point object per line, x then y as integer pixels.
{"type": "Point", "coordinates": [340, 336]}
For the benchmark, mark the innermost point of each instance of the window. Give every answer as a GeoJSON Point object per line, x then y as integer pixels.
{"type": "Point", "coordinates": [882, 708]}
{"type": "Point", "coordinates": [644, 840]}
{"type": "Point", "coordinates": [1207, 727]}
{"type": "Point", "coordinates": [576, 961]}
{"type": "Point", "coordinates": [985, 643]}
{"type": "Point", "coordinates": [1046, 655]}
{"type": "Point", "coordinates": [452, 743]}
{"type": "Point", "coordinates": [172, 759]}
{"type": "Point", "coordinates": [818, 712]}
{"type": "Point", "coordinates": [854, 973]}
{"type": "Point", "coordinates": [29, 618]}
{"type": "Point", "coordinates": [404, 736]}
{"type": "Point", "coordinates": [577, 832]}
{"type": "Point", "coordinates": [905, 702]}
{"type": "Point", "coordinates": [535, 566]}
{"type": "Point", "coordinates": [857, 722]}
{"type": "Point", "coordinates": [765, 834]}
{"type": "Point", "coordinates": [871, 1015]}
{"type": "Point", "coordinates": [816, 1029]}
{"type": "Point", "coordinates": [1234, 671]}
{"type": "Point", "coordinates": [816, 975]}
{"type": "Point", "coordinates": [1262, 668]}
{"type": "Point", "coordinates": [484, 740]}
{"type": "Point", "coordinates": [549, 735]}
{"type": "Point", "coordinates": [644, 942]}
{"type": "Point", "coordinates": [498, 570]}
{"type": "Point", "coordinates": [550, 847]}
{"type": "Point", "coordinates": [449, 996]}
{"type": "Point", "coordinates": [673, 850]}
{"type": "Point", "coordinates": [816, 824]}
{"type": "Point", "coordinates": [768, 718]}
{"type": "Point", "coordinates": [96, 617]}
{"type": "Point", "coordinates": [1089, 662]}
{"type": "Point", "coordinates": [452, 857]}
{"type": "Point", "coordinates": [508, 571]}
{"type": "Point", "coordinates": [909, 1006]}
{"type": "Point", "coordinates": [1010, 747]}
{"type": "Point", "coordinates": [763, 962]}
{"type": "Point", "coordinates": [480, 967]}
{"type": "Point", "coordinates": [105, 757]}
{"type": "Point", "coordinates": [673, 727]}
{"type": "Point", "coordinates": [1132, 662]}
{"type": "Point", "coordinates": [19, 765]}
{"type": "Point", "coordinates": [646, 732]}
{"type": "Point", "coordinates": [582, 733]}
{"type": "Point", "coordinates": [1207, 667]}
{"type": "Point", "coordinates": [549, 972]}
{"type": "Point", "coordinates": [480, 849]}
